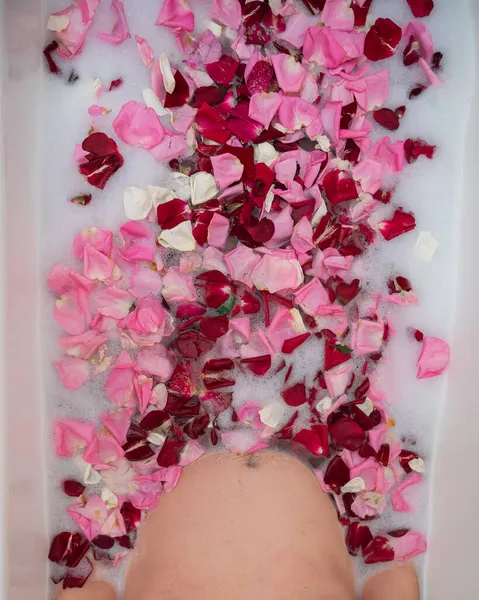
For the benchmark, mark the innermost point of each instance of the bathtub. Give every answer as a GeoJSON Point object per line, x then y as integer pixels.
{"type": "Point", "coordinates": [451, 563]}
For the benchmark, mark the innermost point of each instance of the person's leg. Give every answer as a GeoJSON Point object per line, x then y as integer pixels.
{"type": "Point", "coordinates": [93, 590]}
{"type": "Point", "coordinates": [396, 583]}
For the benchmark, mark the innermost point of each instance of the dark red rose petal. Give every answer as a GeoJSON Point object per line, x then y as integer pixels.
{"type": "Point", "coordinates": [339, 187]}
{"type": "Point", "coordinates": [382, 40]}
{"type": "Point", "coordinates": [345, 292]}
{"type": "Point", "coordinates": [210, 94]}
{"type": "Point", "coordinates": [421, 8]}
{"type": "Point", "coordinates": [131, 516]}
{"type": "Point", "coordinates": [192, 345]}
{"type": "Point", "coordinates": [249, 304]}
{"type": "Point", "coordinates": [170, 453]}
{"type": "Point", "coordinates": [214, 327]}
{"type": "Point", "coordinates": [73, 488]}
{"type": "Point", "coordinates": [211, 124]}
{"type": "Point", "coordinates": [398, 533]}
{"type": "Point", "coordinates": [218, 364]}
{"type": "Point", "coordinates": [314, 439]}
{"type": "Point", "coordinates": [259, 365]}
{"type": "Point", "coordinates": [290, 345]}
{"type": "Point", "coordinates": [387, 118]}
{"type": "Point", "coordinates": [182, 407]}
{"type": "Point", "coordinates": [401, 222]}
{"type": "Point", "coordinates": [378, 550]}
{"type": "Point", "coordinates": [436, 61]}
{"type": "Point", "coordinates": [412, 52]}
{"type": "Point", "coordinates": [154, 419]}
{"type": "Point", "coordinates": [358, 537]}
{"type": "Point", "coordinates": [104, 542]}
{"type": "Point", "coordinates": [179, 96]}
{"type": "Point", "coordinates": [361, 12]}
{"type": "Point", "coordinates": [83, 199]}
{"type": "Point", "coordinates": [47, 52]}
{"type": "Point", "coordinates": [413, 149]}
{"type": "Point", "coordinates": [137, 450]}
{"type": "Point", "coordinates": [260, 78]}
{"type": "Point", "coordinates": [78, 548]}
{"type": "Point", "coordinates": [60, 547]}
{"type": "Point", "coordinates": [102, 161]}
{"type": "Point", "coordinates": [405, 457]}
{"type": "Point", "coordinates": [125, 541]}
{"type": "Point", "coordinates": [346, 433]}
{"type": "Point", "coordinates": [116, 83]}
{"type": "Point", "coordinates": [295, 395]}
{"type": "Point", "coordinates": [335, 354]}
{"type": "Point", "coordinates": [197, 427]}
{"type": "Point", "coordinates": [216, 383]}
{"type": "Point", "coordinates": [223, 70]}
{"type": "Point", "coordinates": [76, 578]}
{"type": "Point", "coordinates": [399, 284]}
{"type": "Point", "coordinates": [337, 474]}
{"type": "Point", "coordinates": [416, 91]}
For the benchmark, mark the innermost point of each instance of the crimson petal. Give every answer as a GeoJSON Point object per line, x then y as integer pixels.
{"type": "Point", "coordinates": [358, 537]}
{"type": "Point", "coordinates": [295, 395]}
{"type": "Point", "coordinates": [361, 12]}
{"type": "Point", "coordinates": [210, 94]}
{"type": "Point", "coordinates": [197, 427]}
{"type": "Point", "coordinates": [218, 364]}
{"type": "Point", "coordinates": [249, 304]}
{"type": "Point", "coordinates": [387, 118]}
{"type": "Point", "coordinates": [259, 365]}
{"type": "Point", "coordinates": [401, 222]}
{"type": "Point", "coordinates": [79, 546]}
{"type": "Point", "coordinates": [405, 457]}
{"type": "Point", "coordinates": [179, 96]}
{"type": "Point", "coordinates": [382, 40]}
{"type": "Point", "coordinates": [337, 474]}
{"type": "Point", "coordinates": [223, 70]}
{"type": "Point", "coordinates": [214, 327]}
{"type": "Point", "coordinates": [78, 576]}
{"type": "Point", "coordinates": [413, 149]}
{"type": "Point", "coordinates": [192, 345]}
{"type": "Point", "coordinates": [102, 161]}
{"type": "Point", "coordinates": [104, 542]}
{"type": "Point", "coordinates": [137, 450]}
{"type": "Point", "coordinates": [339, 187]}
{"type": "Point", "coordinates": [172, 213]}
{"type": "Point", "coordinates": [378, 550]}
{"type": "Point", "coordinates": [60, 547]}
{"type": "Point", "coordinates": [47, 52]}
{"type": "Point", "coordinates": [346, 433]}
{"type": "Point", "coordinates": [290, 345]}
{"type": "Point", "coordinates": [345, 292]}
{"type": "Point", "coordinates": [421, 8]}
{"type": "Point", "coordinates": [170, 453]}
{"type": "Point", "coordinates": [73, 488]}
{"type": "Point", "coordinates": [154, 419]}
{"type": "Point", "coordinates": [131, 516]}
{"type": "Point", "coordinates": [260, 77]}
{"type": "Point", "coordinates": [314, 439]}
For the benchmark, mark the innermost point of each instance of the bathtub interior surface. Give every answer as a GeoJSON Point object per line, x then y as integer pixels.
{"type": "Point", "coordinates": [454, 548]}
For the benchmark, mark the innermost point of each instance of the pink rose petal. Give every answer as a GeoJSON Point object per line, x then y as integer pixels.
{"type": "Point", "coordinates": [73, 372]}
{"type": "Point", "coordinates": [120, 31]}
{"type": "Point", "coordinates": [434, 358]}
{"type": "Point", "coordinates": [176, 14]}
{"type": "Point", "coordinates": [138, 125]}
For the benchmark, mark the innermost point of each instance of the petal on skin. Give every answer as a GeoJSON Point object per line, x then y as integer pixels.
{"type": "Point", "coordinates": [146, 53]}
{"type": "Point", "coordinates": [100, 239]}
{"type": "Point", "coordinates": [90, 517]}
{"type": "Point", "coordinates": [146, 492]}
{"type": "Point", "coordinates": [338, 15]}
{"type": "Point", "coordinates": [179, 237]}
{"type": "Point", "coordinates": [227, 169]}
{"type": "Point", "coordinates": [120, 31]}
{"type": "Point", "coordinates": [434, 358]}
{"type": "Point", "coordinates": [157, 361]}
{"type": "Point", "coordinates": [218, 230]}
{"type": "Point", "coordinates": [118, 422]}
{"type": "Point", "coordinates": [96, 265]}
{"type": "Point", "coordinates": [370, 92]}
{"type": "Point", "coordinates": [73, 372]}
{"type": "Point", "coordinates": [289, 72]}
{"type": "Point", "coordinates": [241, 261]}
{"type": "Point", "coordinates": [227, 12]}
{"type": "Point", "coordinates": [407, 546]}
{"type": "Point", "coordinates": [71, 436]}
{"type": "Point", "coordinates": [178, 286]}
{"type": "Point", "coordinates": [263, 107]}
{"type": "Point", "coordinates": [176, 14]}
{"type": "Point", "coordinates": [398, 502]}
{"type": "Point", "coordinates": [203, 187]}
{"type": "Point", "coordinates": [84, 345]}
{"type": "Point", "coordinates": [113, 302]}
{"type": "Point", "coordinates": [337, 379]}
{"type": "Point", "coordinates": [144, 282]}
{"type": "Point", "coordinates": [366, 336]}
{"type": "Point", "coordinates": [138, 125]}
{"type": "Point", "coordinates": [312, 295]}
{"type": "Point", "coordinates": [274, 274]}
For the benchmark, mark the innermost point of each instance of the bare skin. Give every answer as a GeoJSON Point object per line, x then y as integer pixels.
{"type": "Point", "coordinates": [247, 527]}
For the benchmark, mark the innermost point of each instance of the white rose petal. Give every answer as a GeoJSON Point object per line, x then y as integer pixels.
{"type": "Point", "coordinates": [203, 187]}
{"type": "Point", "coordinates": [323, 143]}
{"type": "Point", "coordinates": [91, 477]}
{"type": "Point", "coordinates": [159, 395]}
{"type": "Point", "coordinates": [215, 29]}
{"type": "Point", "coordinates": [155, 438]}
{"type": "Point", "coordinates": [426, 246]}
{"type": "Point", "coordinates": [299, 325]}
{"type": "Point", "coordinates": [324, 404]}
{"type": "Point", "coordinates": [159, 195]}
{"type": "Point", "coordinates": [367, 406]}
{"type": "Point", "coordinates": [168, 77]}
{"type": "Point", "coordinates": [109, 498]}
{"type": "Point", "coordinates": [271, 414]}
{"type": "Point", "coordinates": [96, 85]}
{"type": "Point", "coordinates": [137, 202]}
{"type": "Point", "coordinates": [319, 214]}
{"type": "Point", "coordinates": [181, 186]}
{"type": "Point", "coordinates": [265, 153]}
{"type": "Point", "coordinates": [179, 238]}
{"type": "Point", "coordinates": [152, 101]}
{"type": "Point", "coordinates": [354, 486]}
{"type": "Point", "coordinates": [268, 201]}
{"type": "Point", "coordinates": [58, 22]}
{"type": "Point", "coordinates": [417, 464]}
{"type": "Point", "coordinates": [199, 78]}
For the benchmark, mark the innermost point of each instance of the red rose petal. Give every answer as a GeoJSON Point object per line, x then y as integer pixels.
{"type": "Point", "coordinates": [345, 292]}
{"type": "Point", "coordinates": [386, 118]}
{"type": "Point", "coordinates": [79, 546]}
{"type": "Point", "coordinates": [172, 213]}
{"type": "Point", "coordinates": [361, 12]}
{"type": "Point", "coordinates": [335, 354]}
{"type": "Point", "coordinates": [411, 52]}
{"type": "Point", "coordinates": [249, 304]}
{"type": "Point", "coordinates": [413, 149]}
{"type": "Point", "coordinates": [216, 383]}
{"type": "Point", "coordinates": [405, 457]}
{"type": "Point", "coordinates": [214, 327]}
{"type": "Point", "coordinates": [295, 395]}
{"type": "Point", "coordinates": [260, 78]}
{"type": "Point", "coordinates": [290, 345]}
{"type": "Point", "coordinates": [421, 8]}
{"type": "Point", "coordinates": [218, 364]}
{"type": "Point", "coordinates": [382, 40]}
{"type": "Point", "coordinates": [77, 577]}
{"type": "Point", "coordinates": [346, 433]}
{"type": "Point", "coordinates": [47, 52]}
{"type": "Point", "coordinates": [179, 96]}
{"type": "Point", "coordinates": [60, 547]}
{"type": "Point", "coordinates": [197, 427]}
{"type": "Point", "coordinates": [137, 450]}
{"type": "Point", "coordinates": [170, 453]}
{"type": "Point", "coordinates": [131, 516]}
{"type": "Point", "coordinates": [73, 488]}
{"type": "Point", "coordinates": [192, 345]}
{"type": "Point", "coordinates": [104, 542]}
{"type": "Point", "coordinates": [398, 533]}
{"type": "Point", "coordinates": [210, 94]}
{"type": "Point", "coordinates": [259, 365]}
{"type": "Point", "coordinates": [182, 407]}
{"type": "Point", "coordinates": [116, 83]}
{"type": "Point", "coordinates": [339, 187]}
{"type": "Point", "coordinates": [436, 61]}
{"type": "Point", "coordinates": [211, 124]}
{"type": "Point", "coordinates": [154, 419]}
{"type": "Point", "coordinates": [223, 70]}
{"type": "Point", "coordinates": [358, 537]}
{"type": "Point", "coordinates": [416, 91]}
{"type": "Point", "coordinates": [337, 474]}
{"type": "Point", "coordinates": [401, 222]}
{"type": "Point", "coordinates": [314, 439]}
{"type": "Point", "coordinates": [378, 550]}
{"type": "Point", "coordinates": [103, 159]}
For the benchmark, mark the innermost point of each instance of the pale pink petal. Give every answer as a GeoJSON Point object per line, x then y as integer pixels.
{"type": "Point", "coordinates": [275, 274]}
{"type": "Point", "coordinates": [368, 504]}
{"type": "Point", "coordinates": [302, 238]}
{"type": "Point", "coordinates": [172, 146]}
{"type": "Point", "coordinates": [176, 14]}
{"type": "Point", "coordinates": [312, 295]}
{"type": "Point", "coordinates": [337, 14]}
{"type": "Point", "coordinates": [72, 311]}
{"type": "Point", "coordinates": [191, 452]}
{"type": "Point", "coordinates": [295, 113]}
{"type": "Point", "coordinates": [63, 279]}
{"type": "Point", "coordinates": [330, 263]}
{"type": "Point", "coordinates": [366, 336]}
{"type": "Point", "coordinates": [337, 378]}
{"type": "Point", "coordinates": [227, 12]}
{"type": "Point", "coordinates": [144, 282]}
{"type": "Point", "coordinates": [432, 78]}
{"type": "Point", "coordinates": [332, 317]}
{"type": "Point", "coordinates": [73, 372]}
{"type": "Point", "coordinates": [330, 48]}
{"type": "Point", "coordinates": [169, 477]}
{"type": "Point", "coordinates": [283, 227]}
{"type": "Point", "coordinates": [157, 361]}
{"type": "Point", "coordinates": [243, 441]}
{"type": "Point", "coordinates": [146, 492]}
{"type": "Point", "coordinates": [263, 107]}
{"type": "Point", "coordinates": [144, 386]}
{"type": "Point", "coordinates": [241, 261]}
{"type": "Point", "coordinates": [241, 329]}
{"type": "Point", "coordinates": [100, 239]}
{"type": "Point", "coordinates": [390, 156]}
{"type": "Point", "coordinates": [71, 436]}
{"type": "Point", "coordinates": [120, 31]}
{"type": "Point", "coordinates": [113, 302]}
{"type": "Point", "coordinates": [289, 72]}
{"type": "Point", "coordinates": [370, 92]}
{"type": "Point", "coordinates": [96, 265]}
{"type": "Point", "coordinates": [148, 317]}
{"type": "Point", "coordinates": [331, 116]}
{"type": "Point", "coordinates": [244, 52]}
{"type": "Point", "coordinates": [90, 517]}
{"type": "Point", "coordinates": [398, 501]}
{"type": "Point", "coordinates": [285, 169]}
{"type": "Point", "coordinates": [84, 345]}
{"type": "Point", "coordinates": [145, 51]}
{"type": "Point", "coordinates": [218, 230]}
{"type": "Point", "coordinates": [296, 27]}
{"type": "Point", "coordinates": [227, 169]}
{"type": "Point", "coordinates": [369, 174]}
{"type": "Point", "coordinates": [97, 111]}
{"type": "Point", "coordinates": [138, 125]}
{"type": "Point", "coordinates": [249, 414]}
{"type": "Point", "coordinates": [178, 286]}
{"type": "Point", "coordinates": [285, 324]}
{"type": "Point", "coordinates": [407, 546]}
{"type": "Point", "coordinates": [103, 449]}
{"type": "Point", "coordinates": [120, 387]}
{"type": "Point", "coordinates": [258, 346]}
{"type": "Point", "coordinates": [434, 358]}
{"type": "Point", "coordinates": [118, 422]}
{"type": "Point", "coordinates": [114, 526]}
{"type": "Point", "coordinates": [78, 21]}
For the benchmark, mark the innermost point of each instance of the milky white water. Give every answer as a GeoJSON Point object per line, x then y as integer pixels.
{"type": "Point", "coordinates": [431, 189]}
